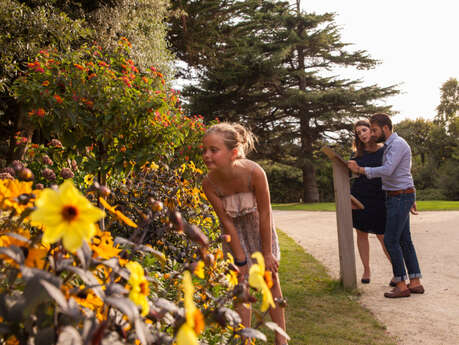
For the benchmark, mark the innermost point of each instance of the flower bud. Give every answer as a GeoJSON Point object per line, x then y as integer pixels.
{"type": "Point", "coordinates": [74, 165]}
{"type": "Point", "coordinates": [104, 191]}
{"type": "Point", "coordinates": [6, 176]}
{"type": "Point", "coordinates": [67, 173]}
{"type": "Point", "coordinates": [157, 206]}
{"type": "Point", "coordinates": [9, 170]}
{"type": "Point", "coordinates": [17, 165]}
{"type": "Point", "coordinates": [48, 174]}
{"type": "Point", "coordinates": [226, 238]}
{"type": "Point", "coordinates": [196, 235]}
{"type": "Point", "coordinates": [47, 160]}
{"type": "Point", "coordinates": [209, 259]}
{"type": "Point", "coordinates": [26, 174]}
{"type": "Point", "coordinates": [176, 219]}
{"type": "Point", "coordinates": [55, 143]}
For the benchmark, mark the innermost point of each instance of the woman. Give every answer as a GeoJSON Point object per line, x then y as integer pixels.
{"type": "Point", "coordinates": [372, 219]}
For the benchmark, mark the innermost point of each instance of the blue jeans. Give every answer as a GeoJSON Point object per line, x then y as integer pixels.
{"type": "Point", "coordinates": [397, 237]}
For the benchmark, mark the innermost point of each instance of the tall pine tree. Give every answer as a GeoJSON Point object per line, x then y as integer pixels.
{"type": "Point", "coordinates": [271, 71]}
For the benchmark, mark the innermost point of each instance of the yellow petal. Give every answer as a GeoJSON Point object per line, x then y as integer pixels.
{"type": "Point", "coordinates": [46, 217]}
{"type": "Point", "coordinates": [72, 241]}
{"type": "Point", "coordinates": [267, 300]}
{"type": "Point", "coordinates": [186, 336]}
{"type": "Point", "coordinates": [53, 234]}
{"type": "Point", "coordinates": [260, 261]}
{"type": "Point", "coordinates": [188, 291]}
{"type": "Point", "coordinates": [49, 199]}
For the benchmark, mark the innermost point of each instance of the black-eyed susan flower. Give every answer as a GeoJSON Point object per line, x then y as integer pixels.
{"type": "Point", "coordinates": [257, 281]}
{"type": "Point", "coordinates": [139, 286]}
{"type": "Point", "coordinates": [231, 276]}
{"type": "Point", "coordinates": [66, 214]}
{"type": "Point", "coordinates": [16, 195]}
{"type": "Point", "coordinates": [89, 179]}
{"type": "Point", "coordinates": [194, 324]}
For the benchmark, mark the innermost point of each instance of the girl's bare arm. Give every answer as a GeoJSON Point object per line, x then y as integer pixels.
{"type": "Point", "coordinates": [260, 183]}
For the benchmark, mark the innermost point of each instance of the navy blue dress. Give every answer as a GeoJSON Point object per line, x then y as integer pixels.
{"type": "Point", "coordinates": [369, 192]}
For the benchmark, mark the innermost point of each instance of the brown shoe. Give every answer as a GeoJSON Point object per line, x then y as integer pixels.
{"type": "Point", "coordinates": [416, 289]}
{"type": "Point", "coordinates": [397, 293]}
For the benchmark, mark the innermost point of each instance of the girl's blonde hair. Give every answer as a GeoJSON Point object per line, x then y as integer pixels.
{"type": "Point", "coordinates": [235, 136]}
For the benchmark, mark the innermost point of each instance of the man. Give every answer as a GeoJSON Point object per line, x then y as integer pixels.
{"type": "Point", "coordinates": [397, 181]}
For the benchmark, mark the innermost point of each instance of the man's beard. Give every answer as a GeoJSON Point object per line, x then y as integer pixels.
{"type": "Point", "coordinates": [381, 138]}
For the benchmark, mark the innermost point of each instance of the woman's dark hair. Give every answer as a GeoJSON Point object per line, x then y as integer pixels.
{"type": "Point", "coordinates": [358, 144]}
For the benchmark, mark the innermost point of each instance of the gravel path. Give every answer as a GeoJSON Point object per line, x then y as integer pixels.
{"type": "Point", "coordinates": [430, 319]}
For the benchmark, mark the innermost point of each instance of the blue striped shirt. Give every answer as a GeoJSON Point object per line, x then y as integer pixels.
{"type": "Point", "coordinates": [395, 171]}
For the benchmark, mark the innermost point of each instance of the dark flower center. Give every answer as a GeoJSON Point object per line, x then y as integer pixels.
{"type": "Point", "coordinates": [69, 213]}
{"type": "Point", "coordinates": [144, 288]}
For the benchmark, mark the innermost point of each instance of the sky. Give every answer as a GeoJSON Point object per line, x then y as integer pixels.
{"type": "Point", "coordinates": [415, 41]}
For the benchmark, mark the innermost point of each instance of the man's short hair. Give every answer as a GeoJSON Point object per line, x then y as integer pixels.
{"type": "Point", "coordinates": [381, 119]}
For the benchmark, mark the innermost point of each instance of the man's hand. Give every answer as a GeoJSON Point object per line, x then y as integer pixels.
{"type": "Point", "coordinates": [353, 166]}
{"type": "Point", "coordinates": [414, 209]}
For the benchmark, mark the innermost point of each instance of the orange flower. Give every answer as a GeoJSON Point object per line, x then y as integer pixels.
{"type": "Point", "coordinates": [117, 213]}
{"type": "Point", "coordinates": [126, 41]}
{"type": "Point", "coordinates": [81, 68]}
{"type": "Point", "coordinates": [41, 112]}
{"type": "Point", "coordinates": [58, 99]}
{"type": "Point", "coordinates": [33, 64]}
{"type": "Point", "coordinates": [37, 256]}
{"type": "Point", "coordinates": [103, 246]}
{"type": "Point", "coordinates": [45, 83]}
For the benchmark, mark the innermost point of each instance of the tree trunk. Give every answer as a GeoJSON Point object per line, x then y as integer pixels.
{"type": "Point", "coordinates": [311, 192]}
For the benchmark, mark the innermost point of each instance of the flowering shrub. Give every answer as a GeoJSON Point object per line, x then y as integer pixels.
{"type": "Point", "coordinates": [136, 260]}
{"type": "Point", "coordinates": [70, 279]}
{"type": "Point", "coordinates": [107, 114]}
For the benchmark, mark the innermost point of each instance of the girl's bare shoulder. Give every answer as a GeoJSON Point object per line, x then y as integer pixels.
{"type": "Point", "coordinates": [253, 168]}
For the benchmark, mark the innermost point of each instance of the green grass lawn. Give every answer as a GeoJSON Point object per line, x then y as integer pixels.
{"type": "Point", "coordinates": [435, 205]}
{"type": "Point", "coordinates": [320, 311]}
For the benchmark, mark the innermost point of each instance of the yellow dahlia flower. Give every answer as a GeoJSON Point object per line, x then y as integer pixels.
{"type": "Point", "coordinates": [257, 281]}
{"type": "Point", "coordinates": [66, 214]}
{"type": "Point", "coordinates": [139, 286]}
{"type": "Point", "coordinates": [187, 334]}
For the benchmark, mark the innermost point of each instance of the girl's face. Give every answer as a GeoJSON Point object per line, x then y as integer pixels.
{"type": "Point", "coordinates": [364, 133]}
{"type": "Point", "coordinates": [215, 153]}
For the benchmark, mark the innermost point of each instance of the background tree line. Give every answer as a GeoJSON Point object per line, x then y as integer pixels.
{"type": "Point", "coordinates": [266, 64]}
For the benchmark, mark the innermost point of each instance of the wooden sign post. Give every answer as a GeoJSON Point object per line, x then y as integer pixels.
{"type": "Point", "coordinates": [344, 218]}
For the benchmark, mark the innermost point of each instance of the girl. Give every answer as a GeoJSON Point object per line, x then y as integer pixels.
{"type": "Point", "coordinates": [372, 219]}
{"type": "Point", "coordinates": [238, 190]}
